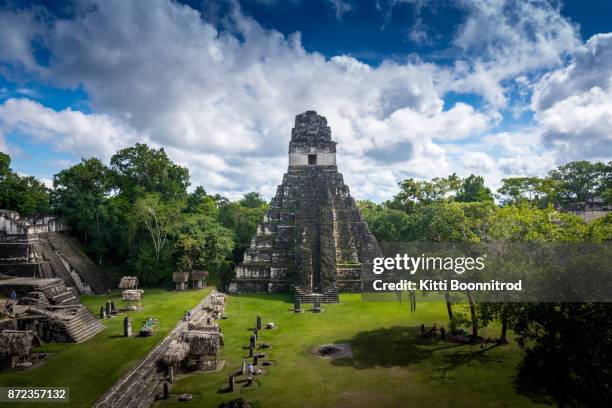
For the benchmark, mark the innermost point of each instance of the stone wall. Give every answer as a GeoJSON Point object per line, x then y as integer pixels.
{"type": "Point", "coordinates": [12, 224]}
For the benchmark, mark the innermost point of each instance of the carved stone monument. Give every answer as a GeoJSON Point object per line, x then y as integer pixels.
{"type": "Point", "coordinates": [127, 326]}
{"type": "Point", "coordinates": [316, 307]}
{"type": "Point", "coordinates": [297, 305]}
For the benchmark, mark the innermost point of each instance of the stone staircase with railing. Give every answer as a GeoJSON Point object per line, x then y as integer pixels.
{"type": "Point", "coordinates": [84, 267]}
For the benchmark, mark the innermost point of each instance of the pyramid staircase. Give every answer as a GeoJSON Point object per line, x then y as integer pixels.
{"type": "Point", "coordinates": [85, 268]}
{"type": "Point", "coordinates": [330, 296]}
{"type": "Point", "coordinates": [83, 325]}
{"type": "Point", "coordinates": [58, 293]}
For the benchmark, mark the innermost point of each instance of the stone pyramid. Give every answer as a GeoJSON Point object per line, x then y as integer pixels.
{"type": "Point", "coordinates": [312, 239]}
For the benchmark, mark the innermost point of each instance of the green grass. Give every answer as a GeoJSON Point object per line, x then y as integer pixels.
{"type": "Point", "coordinates": [90, 368]}
{"type": "Point", "coordinates": [391, 365]}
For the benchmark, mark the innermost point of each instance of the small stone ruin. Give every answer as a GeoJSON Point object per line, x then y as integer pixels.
{"type": "Point", "coordinates": [198, 346]}
{"type": "Point", "coordinates": [16, 348]}
{"type": "Point", "coordinates": [198, 278]}
{"type": "Point", "coordinates": [180, 280]}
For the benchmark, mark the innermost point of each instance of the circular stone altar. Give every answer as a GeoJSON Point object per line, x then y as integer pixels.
{"type": "Point", "coordinates": [334, 351]}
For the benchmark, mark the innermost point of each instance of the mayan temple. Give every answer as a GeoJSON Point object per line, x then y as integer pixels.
{"type": "Point", "coordinates": [312, 239]}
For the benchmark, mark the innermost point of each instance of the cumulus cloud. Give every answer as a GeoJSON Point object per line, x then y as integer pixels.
{"type": "Point", "coordinates": [573, 105]}
{"type": "Point", "coordinates": [505, 38]}
{"type": "Point", "coordinates": [222, 98]}
{"type": "Point", "coordinates": [67, 130]}
{"type": "Point", "coordinates": [223, 102]}
{"type": "Point", "coordinates": [17, 31]}
{"type": "Point", "coordinates": [478, 162]}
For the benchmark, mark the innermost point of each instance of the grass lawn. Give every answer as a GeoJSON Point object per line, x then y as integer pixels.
{"type": "Point", "coordinates": [391, 365]}
{"type": "Point", "coordinates": [90, 368]}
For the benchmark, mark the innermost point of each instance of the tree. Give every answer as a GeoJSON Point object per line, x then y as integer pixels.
{"type": "Point", "coordinates": [569, 351]}
{"type": "Point", "coordinates": [414, 192]}
{"type": "Point", "coordinates": [80, 195]}
{"type": "Point", "coordinates": [160, 219]}
{"type": "Point", "coordinates": [140, 169]}
{"type": "Point", "coordinates": [199, 202]}
{"type": "Point", "coordinates": [252, 200]}
{"type": "Point", "coordinates": [518, 190]}
{"type": "Point", "coordinates": [452, 222]}
{"type": "Point", "coordinates": [243, 221]}
{"type": "Point", "coordinates": [24, 194]}
{"type": "Point", "coordinates": [387, 224]}
{"type": "Point", "coordinates": [202, 242]}
{"type": "Point", "coordinates": [473, 190]}
{"type": "Point", "coordinates": [580, 181]}
{"type": "Point", "coordinates": [571, 355]}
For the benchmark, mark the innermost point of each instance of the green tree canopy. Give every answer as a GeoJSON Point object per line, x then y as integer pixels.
{"type": "Point", "coordinates": [473, 190]}
{"type": "Point", "coordinates": [141, 169]}
{"type": "Point", "coordinates": [24, 194]}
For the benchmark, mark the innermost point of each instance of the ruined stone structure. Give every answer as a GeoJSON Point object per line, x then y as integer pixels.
{"type": "Point", "coordinates": [48, 308]}
{"type": "Point", "coordinates": [47, 272]}
{"type": "Point", "coordinates": [312, 239]}
{"type": "Point", "coordinates": [38, 248]}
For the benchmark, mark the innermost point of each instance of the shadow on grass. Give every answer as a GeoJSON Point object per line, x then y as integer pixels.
{"type": "Point", "coordinates": [530, 386]}
{"type": "Point", "coordinates": [535, 394]}
{"type": "Point", "coordinates": [403, 346]}
{"type": "Point", "coordinates": [386, 347]}
{"type": "Point", "coordinates": [455, 360]}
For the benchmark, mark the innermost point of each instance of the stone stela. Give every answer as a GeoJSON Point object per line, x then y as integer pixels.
{"type": "Point", "coordinates": [312, 238]}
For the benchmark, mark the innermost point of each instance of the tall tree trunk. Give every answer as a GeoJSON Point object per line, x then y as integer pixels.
{"type": "Point", "coordinates": [449, 306]}
{"type": "Point", "coordinates": [473, 314]}
{"type": "Point", "coordinates": [504, 328]}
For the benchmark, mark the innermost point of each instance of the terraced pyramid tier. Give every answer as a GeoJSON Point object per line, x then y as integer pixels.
{"type": "Point", "coordinates": [312, 239]}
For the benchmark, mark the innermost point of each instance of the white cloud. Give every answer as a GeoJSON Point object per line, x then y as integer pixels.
{"type": "Point", "coordinates": [66, 130]}
{"type": "Point", "coordinates": [222, 101]}
{"type": "Point", "coordinates": [580, 126]}
{"type": "Point", "coordinates": [17, 31]}
{"type": "Point", "coordinates": [573, 105]}
{"type": "Point", "coordinates": [341, 7]}
{"type": "Point", "coordinates": [478, 162]}
{"type": "Point", "coordinates": [506, 38]}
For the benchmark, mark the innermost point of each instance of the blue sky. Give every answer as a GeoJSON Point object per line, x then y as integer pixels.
{"type": "Point", "coordinates": [411, 88]}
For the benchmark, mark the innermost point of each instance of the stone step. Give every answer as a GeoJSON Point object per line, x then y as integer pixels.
{"type": "Point", "coordinates": [323, 298]}
{"type": "Point", "coordinates": [83, 325]}
{"type": "Point", "coordinates": [85, 267]}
